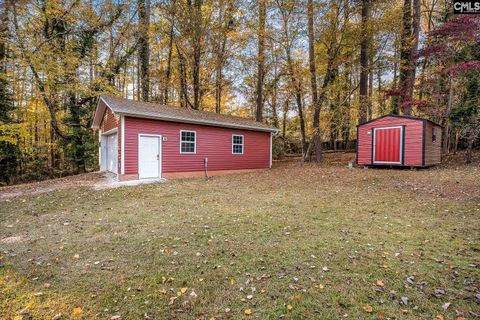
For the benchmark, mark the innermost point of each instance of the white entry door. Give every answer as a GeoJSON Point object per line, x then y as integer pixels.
{"type": "Point", "coordinates": [149, 156]}
{"type": "Point", "coordinates": [112, 153]}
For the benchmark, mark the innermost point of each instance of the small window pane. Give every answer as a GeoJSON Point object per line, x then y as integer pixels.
{"type": "Point", "coordinates": [237, 139]}
{"type": "Point", "coordinates": [237, 149]}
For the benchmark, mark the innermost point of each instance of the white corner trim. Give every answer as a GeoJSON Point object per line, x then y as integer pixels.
{"type": "Point", "coordinates": [100, 149]}
{"type": "Point", "coordinates": [271, 147]}
{"type": "Point", "coordinates": [122, 160]}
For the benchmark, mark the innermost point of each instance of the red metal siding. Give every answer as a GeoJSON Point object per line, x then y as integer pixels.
{"type": "Point", "coordinates": [413, 139]}
{"type": "Point", "coordinates": [212, 142]}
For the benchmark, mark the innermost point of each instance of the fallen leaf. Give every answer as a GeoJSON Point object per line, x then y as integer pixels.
{"type": "Point", "coordinates": [380, 283]}
{"type": "Point", "coordinates": [24, 311]}
{"type": "Point", "coordinates": [368, 308]}
{"type": "Point", "coordinates": [439, 317]}
{"type": "Point", "coordinates": [459, 318]}
{"type": "Point", "coordinates": [381, 314]}
{"type": "Point", "coordinates": [76, 256]}
{"type": "Point", "coordinates": [289, 307]}
{"type": "Point", "coordinates": [298, 297]}
{"type": "Point", "coordinates": [249, 297]}
{"type": "Point", "coordinates": [404, 301]}
{"type": "Point", "coordinates": [248, 312]}
{"type": "Point", "coordinates": [446, 305]}
{"type": "Point", "coordinates": [18, 318]}
{"type": "Point", "coordinates": [172, 300]}
{"type": "Point", "coordinates": [77, 311]}
{"type": "Point", "coordinates": [183, 290]}
{"type": "Point", "coordinates": [438, 293]}
{"type": "Point", "coordinates": [117, 317]}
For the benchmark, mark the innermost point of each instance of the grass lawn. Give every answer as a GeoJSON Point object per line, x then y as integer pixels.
{"type": "Point", "coordinates": [299, 241]}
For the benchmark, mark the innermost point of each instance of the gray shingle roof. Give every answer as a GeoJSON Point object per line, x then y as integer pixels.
{"type": "Point", "coordinates": [175, 114]}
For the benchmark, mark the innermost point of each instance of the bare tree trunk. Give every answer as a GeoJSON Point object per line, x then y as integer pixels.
{"type": "Point", "coordinates": [370, 90]}
{"type": "Point", "coordinates": [286, 108]}
{"type": "Point", "coordinates": [364, 61]}
{"type": "Point", "coordinates": [183, 90]}
{"type": "Point", "coordinates": [166, 89]}
{"type": "Point", "coordinates": [260, 58]}
{"type": "Point", "coordinates": [298, 98]}
{"type": "Point", "coordinates": [316, 138]}
{"type": "Point", "coordinates": [219, 75]}
{"type": "Point", "coordinates": [144, 48]}
{"type": "Point", "coordinates": [412, 59]}
{"type": "Point", "coordinates": [405, 54]}
{"type": "Point", "coordinates": [446, 136]}
{"type": "Point", "coordinates": [469, 154]}
{"type": "Point", "coordinates": [197, 52]}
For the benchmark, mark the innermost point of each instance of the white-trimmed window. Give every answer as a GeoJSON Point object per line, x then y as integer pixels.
{"type": "Point", "coordinates": [237, 144]}
{"type": "Point", "coordinates": [188, 141]}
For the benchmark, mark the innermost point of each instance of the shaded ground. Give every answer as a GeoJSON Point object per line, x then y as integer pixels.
{"type": "Point", "coordinates": [95, 180]}
{"type": "Point", "coordinates": [297, 241]}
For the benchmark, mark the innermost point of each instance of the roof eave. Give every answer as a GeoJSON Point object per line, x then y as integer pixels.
{"type": "Point", "coordinates": [201, 122]}
{"type": "Point", "coordinates": [399, 116]}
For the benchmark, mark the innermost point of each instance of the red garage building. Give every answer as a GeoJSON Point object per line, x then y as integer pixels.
{"type": "Point", "coordinates": [399, 141]}
{"type": "Point", "coordinates": [141, 140]}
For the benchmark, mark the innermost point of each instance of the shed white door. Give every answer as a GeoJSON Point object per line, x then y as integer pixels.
{"type": "Point", "coordinates": [112, 153]}
{"type": "Point", "coordinates": [149, 153]}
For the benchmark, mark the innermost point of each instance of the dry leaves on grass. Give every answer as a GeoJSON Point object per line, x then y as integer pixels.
{"type": "Point", "coordinates": [368, 308]}
{"type": "Point", "coordinates": [77, 312]}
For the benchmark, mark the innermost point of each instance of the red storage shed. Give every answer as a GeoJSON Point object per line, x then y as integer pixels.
{"type": "Point", "coordinates": [140, 140]}
{"type": "Point", "coordinates": [394, 140]}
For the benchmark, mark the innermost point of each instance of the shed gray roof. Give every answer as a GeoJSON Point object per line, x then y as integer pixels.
{"type": "Point", "coordinates": [174, 114]}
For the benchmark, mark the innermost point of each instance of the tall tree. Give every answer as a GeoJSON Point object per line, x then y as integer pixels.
{"type": "Point", "coordinates": [197, 50]}
{"type": "Point", "coordinates": [364, 62]}
{"type": "Point", "coordinates": [144, 47]}
{"type": "Point", "coordinates": [262, 12]}
{"type": "Point", "coordinates": [408, 56]}
{"type": "Point", "coordinates": [8, 148]}
{"type": "Point", "coordinates": [316, 141]}
{"type": "Point", "coordinates": [412, 58]}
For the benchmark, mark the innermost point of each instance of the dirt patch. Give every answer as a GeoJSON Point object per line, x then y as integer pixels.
{"type": "Point", "coordinates": [12, 239]}
{"type": "Point", "coordinates": [81, 180]}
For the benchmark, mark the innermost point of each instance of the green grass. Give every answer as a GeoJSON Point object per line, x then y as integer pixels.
{"type": "Point", "coordinates": [273, 231]}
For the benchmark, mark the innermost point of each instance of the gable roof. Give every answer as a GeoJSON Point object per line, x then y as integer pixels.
{"type": "Point", "coordinates": [174, 114]}
{"type": "Point", "coordinates": [403, 117]}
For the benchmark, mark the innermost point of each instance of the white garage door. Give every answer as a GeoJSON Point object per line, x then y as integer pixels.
{"type": "Point", "coordinates": [112, 153]}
